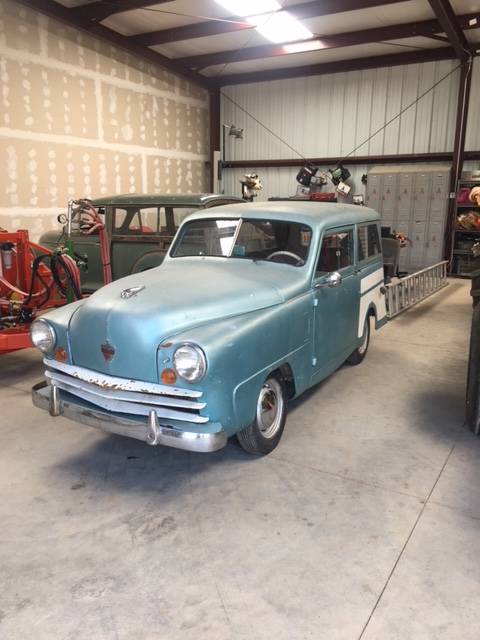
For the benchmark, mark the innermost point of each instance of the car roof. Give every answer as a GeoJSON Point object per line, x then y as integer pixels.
{"type": "Point", "coordinates": [313, 214]}
{"type": "Point", "coordinates": [178, 199]}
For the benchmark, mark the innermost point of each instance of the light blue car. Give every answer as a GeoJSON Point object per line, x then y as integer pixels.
{"type": "Point", "coordinates": [254, 304]}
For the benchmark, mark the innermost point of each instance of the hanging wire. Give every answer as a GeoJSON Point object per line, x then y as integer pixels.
{"type": "Point", "coordinates": [275, 135]}
{"type": "Point", "coordinates": [398, 115]}
{"type": "Point", "coordinates": [175, 13]}
{"type": "Point", "coordinates": [402, 111]}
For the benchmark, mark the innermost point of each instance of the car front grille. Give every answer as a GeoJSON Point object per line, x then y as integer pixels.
{"type": "Point", "coordinates": [121, 395]}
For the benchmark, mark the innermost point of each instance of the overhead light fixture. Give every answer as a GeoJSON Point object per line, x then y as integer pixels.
{"type": "Point", "coordinates": [301, 47]}
{"type": "Point", "coordinates": [280, 27]}
{"type": "Point", "coordinates": [249, 7]}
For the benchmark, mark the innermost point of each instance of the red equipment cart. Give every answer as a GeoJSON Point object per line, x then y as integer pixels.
{"type": "Point", "coordinates": [32, 279]}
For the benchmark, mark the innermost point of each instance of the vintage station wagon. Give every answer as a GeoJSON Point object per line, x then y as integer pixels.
{"type": "Point", "coordinates": [140, 229]}
{"type": "Point", "coordinates": [254, 304]}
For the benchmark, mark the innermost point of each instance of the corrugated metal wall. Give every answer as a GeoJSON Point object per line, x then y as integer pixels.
{"type": "Point", "coordinates": [329, 116]}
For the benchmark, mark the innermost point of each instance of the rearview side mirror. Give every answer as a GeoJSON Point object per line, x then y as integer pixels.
{"type": "Point", "coordinates": [333, 279]}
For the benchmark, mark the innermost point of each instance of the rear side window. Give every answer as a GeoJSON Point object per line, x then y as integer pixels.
{"type": "Point", "coordinates": [368, 241]}
{"type": "Point", "coordinates": [336, 252]}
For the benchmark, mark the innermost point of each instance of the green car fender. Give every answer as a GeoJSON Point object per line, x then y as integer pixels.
{"type": "Point", "coordinates": [148, 260]}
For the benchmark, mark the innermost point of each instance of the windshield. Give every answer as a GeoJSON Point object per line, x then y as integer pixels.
{"type": "Point", "coordinates": [274, 240]}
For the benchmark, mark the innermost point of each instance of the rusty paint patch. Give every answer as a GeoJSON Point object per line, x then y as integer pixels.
{"type": "Point", "coordinates": [108, 351]}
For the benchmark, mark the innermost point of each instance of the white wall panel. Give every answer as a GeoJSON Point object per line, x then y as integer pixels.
{"type": "Point", "coordinates": [328, 116]}
{"type": "Point", "coordinates": [332, 114]}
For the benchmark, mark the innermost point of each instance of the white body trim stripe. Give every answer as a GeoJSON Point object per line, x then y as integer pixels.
{"type": "Point", "coordinates": [372, 279]}
{"type": "Point", "coordinates": [371, 294]}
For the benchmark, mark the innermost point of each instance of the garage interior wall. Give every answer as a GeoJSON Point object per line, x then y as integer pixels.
{"type": "Point", "coordinates": [81, 118]}
{"type": "Point", "coordinates": [329, 115]}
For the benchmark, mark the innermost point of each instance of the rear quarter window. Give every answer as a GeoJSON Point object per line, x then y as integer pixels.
{"type": "Point", "coordinates": [368, 241]}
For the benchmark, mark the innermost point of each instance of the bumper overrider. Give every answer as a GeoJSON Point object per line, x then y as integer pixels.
{"type": "Point", "coordinates": [153, 413]}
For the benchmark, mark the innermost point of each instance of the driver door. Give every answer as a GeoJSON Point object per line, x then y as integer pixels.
{"type": "Point", "coordinates": [336, 308]}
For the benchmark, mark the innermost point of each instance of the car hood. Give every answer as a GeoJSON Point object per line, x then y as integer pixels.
{"type": "Point", "coordinates": [181, 293]}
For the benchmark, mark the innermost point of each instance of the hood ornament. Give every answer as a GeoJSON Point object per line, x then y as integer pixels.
{"type": "Point", "coordinates": [131, 291]}
{"type": "Point", "coordinates": [108, 351]}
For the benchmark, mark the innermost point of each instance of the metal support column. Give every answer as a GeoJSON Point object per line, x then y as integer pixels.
{"type": "Point", "coordinates": [458, 152]}
{"type": "Point", "coordinates": [214, 138]}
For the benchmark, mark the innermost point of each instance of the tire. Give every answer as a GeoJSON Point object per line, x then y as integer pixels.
{"type": "Point", "coordinates": [264, 433]}
{"type": "Point", "coordinates": [360, 352]}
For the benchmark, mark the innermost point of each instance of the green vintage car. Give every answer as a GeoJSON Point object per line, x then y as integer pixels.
{"type": "Point", "coordinates": [140, 228]}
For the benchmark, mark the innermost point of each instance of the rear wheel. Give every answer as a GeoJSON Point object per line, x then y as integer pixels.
{"type": "Point", "coordinates": [264, 433]}
{"type": "Point", "coordinates": [360, 352]}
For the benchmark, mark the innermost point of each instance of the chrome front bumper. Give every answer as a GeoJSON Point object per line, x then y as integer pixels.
{"type": "Point", "coordinates": [49, 397]}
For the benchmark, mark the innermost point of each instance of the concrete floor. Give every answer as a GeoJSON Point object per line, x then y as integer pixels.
{"type": "Point", "coordinates": [363, 524]}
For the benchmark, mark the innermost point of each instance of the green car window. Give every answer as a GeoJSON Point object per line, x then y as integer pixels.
{"type": "Point", "coordinates": [135, 220]}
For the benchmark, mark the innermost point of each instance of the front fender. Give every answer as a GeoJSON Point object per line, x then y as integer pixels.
{"type": "Point", "coordinates": [60, 320]}
{"type": "Point", "coordinates": [242, 351]}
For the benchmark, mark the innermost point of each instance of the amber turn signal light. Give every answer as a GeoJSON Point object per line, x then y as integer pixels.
{"type": "Point", "coordinates": [61, 355]}
{"type": "Point", "coordinates": [169, 376]}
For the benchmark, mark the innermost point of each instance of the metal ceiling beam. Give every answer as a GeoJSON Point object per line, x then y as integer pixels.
{"type": "Point", "coordinates": [447, 18]}
{"type": "Point", "coordinates": [442, 156]}
{"type": "Point", "coordinates": [99, 10]}
{"type": "Point", "coordinates": [355, 64]}
{"type": "Point", "coordinates": [367, 36]}
{"type": "Point", "coordinates": [62, 13]}
{"type": "Point", "coordinates": [215, 27]}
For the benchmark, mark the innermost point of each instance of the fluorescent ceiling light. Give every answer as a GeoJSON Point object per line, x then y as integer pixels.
{"type": "Point", "coordinates": [249, 7]}
{"type": "Point", "coordinates": [280, 27]}
{"type": "Point", "coordinates": [299, 47]}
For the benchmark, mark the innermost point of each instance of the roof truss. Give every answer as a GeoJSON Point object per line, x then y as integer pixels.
{"type": "Point", "coordinates": [427, 28]}
{"type": "Point", "coordinates": [215, 27]}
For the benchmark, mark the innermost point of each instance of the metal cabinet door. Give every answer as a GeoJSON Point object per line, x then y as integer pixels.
{"type": "Point", "coordinates": [436, 221]}
{"type": "Point", "coordinates": [389, 200]}
{"type": "Point", "coordinates": [404, 213]}
{"type": "Point", "coordinates": [374, 186]}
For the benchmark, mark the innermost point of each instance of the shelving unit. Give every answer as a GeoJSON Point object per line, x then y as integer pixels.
{"type": "Point", "coordinates": [464, 239]}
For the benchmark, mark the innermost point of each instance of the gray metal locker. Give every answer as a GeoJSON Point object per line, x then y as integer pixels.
{"type": "Point", "coordinates": [412, 199]}
{"type": "Point", "coordinates": [372, 198]}
{"type": "Point", "coordinates": [389, 195]}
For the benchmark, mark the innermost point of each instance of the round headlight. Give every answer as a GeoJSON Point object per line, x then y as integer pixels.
{"type": "Point", "coordinates": [189, 362]}
{"type": "Point", "coordinates": [43, 335]}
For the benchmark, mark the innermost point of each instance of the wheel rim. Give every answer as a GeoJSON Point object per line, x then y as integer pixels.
{"type": "Point", "coordinates": [363, 347]}
{"type": "Point", "coordinates": [270, 408]}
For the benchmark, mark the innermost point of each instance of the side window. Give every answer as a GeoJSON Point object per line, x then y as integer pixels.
{"type": "Point", "coordinates": [135, 221]}
{"type": "Point", "coordinates": [368, 241]}
{"type": "Point", "coordinates": [374, 247]}
{"type": "Point", "coordinates": [362, 243]}
{"type": "Point", "coordinates": [336, 252]}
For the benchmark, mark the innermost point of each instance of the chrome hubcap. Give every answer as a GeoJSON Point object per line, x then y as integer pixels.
{"type": "Point", "coordinates": [363, 347]}
{"type": "Point", "coordinates": [270, 408]}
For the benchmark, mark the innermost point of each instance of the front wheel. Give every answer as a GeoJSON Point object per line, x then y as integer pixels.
{"type": "Point", "coordinates": [264, 433]}
{"type": "Point", "coordinates": [360, 352]}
